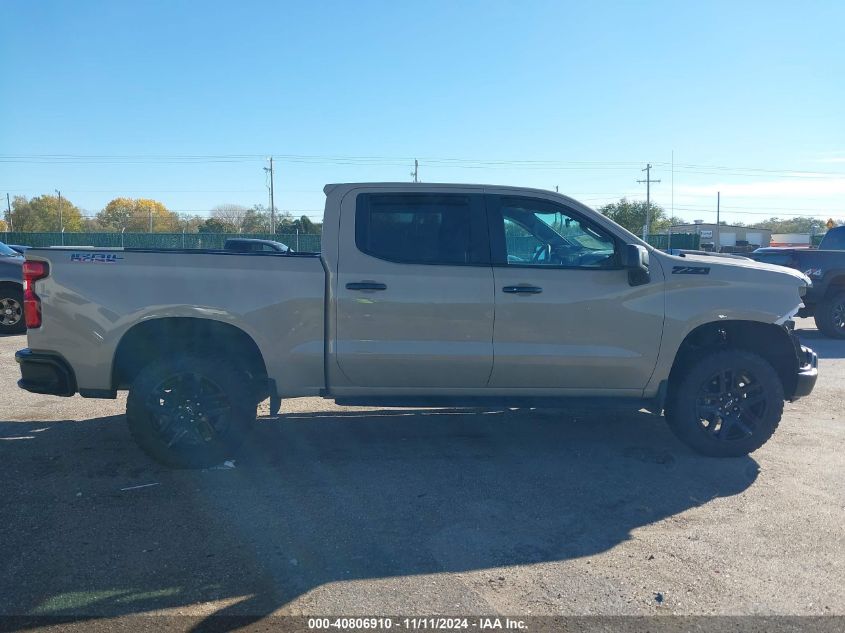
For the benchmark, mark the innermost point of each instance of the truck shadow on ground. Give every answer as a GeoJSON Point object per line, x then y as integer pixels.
{"type": "Point", "coordinates": [322, 497]}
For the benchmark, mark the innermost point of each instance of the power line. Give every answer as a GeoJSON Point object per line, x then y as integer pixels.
{"type": "Point", "coordinates": [400, 160]}
{"type": "Point", "coordinates": [756, 170]}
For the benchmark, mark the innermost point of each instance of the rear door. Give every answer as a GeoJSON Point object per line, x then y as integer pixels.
{"type": "Point", "coordinates": [566, 316]}
{"type": "Point", "coordinates": [414, 291]}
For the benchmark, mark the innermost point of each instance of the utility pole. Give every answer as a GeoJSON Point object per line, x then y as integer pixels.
{"type": "Point", "coordinates": [718, 245]}
{"type": "Point", "coordinates": [647, 182]}
{"type": "Point", "coordinates": [9, 212]}
{"type": "Point", "coordinates": [672, 212]}
{"type": "Point", "coordinates": [416, 172]}
{"type": "Point", "coordinates": [61, 214]}
{"type": "Point", "coordinates": [272, 201]}
{"type": "Point", "coordinates": [151, 219]}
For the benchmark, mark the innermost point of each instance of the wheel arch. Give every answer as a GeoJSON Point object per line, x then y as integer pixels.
{"type": "Point", "coordinates": [835, 285]}
{"type": "Point", "coordinates": [11, 284]}
{"type": "Point", "coordinates": [770, 341]}
{"type": "Point", "coordinates": [154, 338]}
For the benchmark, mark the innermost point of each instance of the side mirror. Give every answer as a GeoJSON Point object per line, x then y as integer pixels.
{"type": "Point", "coordinates": [635, 259]}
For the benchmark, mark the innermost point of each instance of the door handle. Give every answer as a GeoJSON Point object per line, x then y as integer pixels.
{"type": "Point", "coordinates": [519, 290]}
{"type": "Point", "coordinates": [366, 285]}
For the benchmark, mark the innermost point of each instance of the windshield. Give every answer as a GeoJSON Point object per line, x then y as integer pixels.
{"type": "Point", "coordinates": [834, 240]}
{"type": "Point", "coordinates": [5, 251]}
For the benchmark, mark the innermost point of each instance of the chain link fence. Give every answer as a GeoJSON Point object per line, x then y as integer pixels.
{"type": "Point", "coordinates": [299, 242]}
{"type": "Point", "coordinates": [305, 243]}
{"type": "Point", "coordinates": [686, 241]}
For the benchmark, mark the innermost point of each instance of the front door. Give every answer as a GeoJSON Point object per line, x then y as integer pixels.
{"type": "Point", "coordinates": [414, 291]}
{"type": "Point", "coordinates": [566, 316]}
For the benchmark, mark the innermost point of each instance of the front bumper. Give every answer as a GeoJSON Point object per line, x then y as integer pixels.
{"type": "Point", "coordinates": [45, 373]}
{"type": "Point", "coordinates": [808, 372]}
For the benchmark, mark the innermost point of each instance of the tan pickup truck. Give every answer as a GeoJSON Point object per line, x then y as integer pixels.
{"type": "Point", "coordinates": [424, 294]}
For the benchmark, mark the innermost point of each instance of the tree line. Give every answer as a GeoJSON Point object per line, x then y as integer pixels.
{"type": "Point", "coordinates": [49, 213]}
{"type": "Point", "coordinates": [141, 215]}
{"type": "Point", "coordinates": [632, 215]}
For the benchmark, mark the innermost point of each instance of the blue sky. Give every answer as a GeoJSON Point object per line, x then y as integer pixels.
{"type": "Point", "coordinates": [749, 96]}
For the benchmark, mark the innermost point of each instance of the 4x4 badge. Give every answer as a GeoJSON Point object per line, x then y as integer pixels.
{"type": "Point", "coordinates": [95, 258]}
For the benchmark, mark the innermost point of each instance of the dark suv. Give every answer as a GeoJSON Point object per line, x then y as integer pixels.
{"type": "Point", "coordinates": [825, 266]}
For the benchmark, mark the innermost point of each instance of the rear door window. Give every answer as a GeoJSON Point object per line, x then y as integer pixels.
{"type": "Point", "coordinates": [422, 228]}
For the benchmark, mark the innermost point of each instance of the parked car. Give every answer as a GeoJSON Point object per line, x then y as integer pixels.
{"type": "Point", "coordinates": [11, 291]}
{"type": "Point", "coordinates": [416, 301]}
{"type": "Point", "coordinates": [825, 266]}
{"type": "Point", "coordinates": [248, 245]}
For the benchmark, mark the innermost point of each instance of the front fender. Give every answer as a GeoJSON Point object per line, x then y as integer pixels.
{"type": "Point", "coordinates": [727, 293]}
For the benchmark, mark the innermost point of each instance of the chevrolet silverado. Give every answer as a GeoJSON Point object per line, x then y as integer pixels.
{"type": "Point", "coordinates": [423, 295]}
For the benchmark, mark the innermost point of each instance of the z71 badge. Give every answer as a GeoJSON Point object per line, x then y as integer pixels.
{"type": "Point", "coordinates": [690, 270]}
{"type": "Point", "coordinates": [95, 258]}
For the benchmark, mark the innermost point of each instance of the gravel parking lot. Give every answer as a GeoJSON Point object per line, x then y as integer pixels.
{"type": "Point", "coordinates": [339, 510]}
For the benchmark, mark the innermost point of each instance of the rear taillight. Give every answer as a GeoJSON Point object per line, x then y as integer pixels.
{"type": "Point", "coordinates": [32, 272]}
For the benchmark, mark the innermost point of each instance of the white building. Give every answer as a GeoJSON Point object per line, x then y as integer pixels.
{"type": "Point", "coordinates": [726, 234]}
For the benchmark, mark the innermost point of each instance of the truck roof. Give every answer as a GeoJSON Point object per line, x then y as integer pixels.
{"type": "Point", "coordinates": [438, 186]}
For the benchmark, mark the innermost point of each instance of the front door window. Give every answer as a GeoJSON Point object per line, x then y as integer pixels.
{"type": "Point", "coordinates": [537, 236]}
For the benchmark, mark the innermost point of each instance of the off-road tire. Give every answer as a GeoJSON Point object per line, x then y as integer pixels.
{"type": "Point", "coordinates": [12, 298]}
{"type": "Point", "coordinates": [686, 402]}
{"type": "Point", "coordinates": [146, 408]}
{"type": "Point", "coordinates": [827, 312]}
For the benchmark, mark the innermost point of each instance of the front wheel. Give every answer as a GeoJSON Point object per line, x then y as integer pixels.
{"type": "Point", "coordinates": [728, 404]}
{"type": "Point", "coordinates": [191, 411]}
{"type": "Point", "coordinates": [830, 315]}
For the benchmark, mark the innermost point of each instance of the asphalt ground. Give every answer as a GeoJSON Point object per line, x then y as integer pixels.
{"type": "Point", "coordinates": [350, 510]}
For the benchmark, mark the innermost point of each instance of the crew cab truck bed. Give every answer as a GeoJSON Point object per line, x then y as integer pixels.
{"type": "Point", "coordinates": [139, 304]}
{"type": "Point", "coordinates": [423, 294]}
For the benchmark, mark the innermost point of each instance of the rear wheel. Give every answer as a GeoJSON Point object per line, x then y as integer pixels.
{"type": "Point", "coordinates": [11, 310]}
{"type": "Point", "coordinates": [190, 412]}
{"type": "Point", "coordinates": [728, 404]}
{"type": "Point", "coordinates": [830, 315]}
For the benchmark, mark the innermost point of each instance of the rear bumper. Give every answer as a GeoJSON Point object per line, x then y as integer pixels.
{"type": "Point", "coordinates": [45, 373]}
